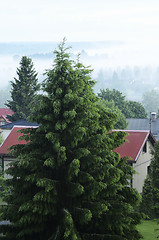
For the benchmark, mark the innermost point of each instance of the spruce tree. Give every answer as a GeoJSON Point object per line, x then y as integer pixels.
{"type": "Point", "coordinates": [147, 203]}
{"type": "Point", "coordinates": [23, 90]}
{"type": "Point", "coordinates": [150, 196]}
{"type": "Point", "coordinates": [69, 184]}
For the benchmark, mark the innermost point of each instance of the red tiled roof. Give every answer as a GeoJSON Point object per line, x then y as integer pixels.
{"type": "Point", "coordinates": [12, 139]}
{"type": "Point", "coordinates": [5, 111]}
{"type": "Point", "coordinates": [134, 144]}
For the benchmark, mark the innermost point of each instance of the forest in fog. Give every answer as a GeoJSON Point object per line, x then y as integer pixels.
{"type": "Point", "coordinates": [135, 81]}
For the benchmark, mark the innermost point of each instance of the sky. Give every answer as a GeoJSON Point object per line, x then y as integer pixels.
{"type": "Point", "coordinates": [84, 20]}
{"type": "Point", "coordinates": [134, 22]}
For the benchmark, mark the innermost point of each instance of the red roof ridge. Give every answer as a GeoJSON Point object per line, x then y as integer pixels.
{"type": "Point", "coordinates": [146, 137]}
{"type": "Point", "coordinates": [6, 111]}
{"type": "Point", "coordinates": [21, 127]}
{"type": "Point", "coordinates": [133, 147]}
{"type": "Point", "coordinates": [122, 130]}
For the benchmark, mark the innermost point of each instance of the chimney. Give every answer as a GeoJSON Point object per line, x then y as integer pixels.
{"type": "Point", "coordinates": [153, 116]}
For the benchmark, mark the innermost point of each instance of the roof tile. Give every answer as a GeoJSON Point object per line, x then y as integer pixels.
{"type": "Point", "coordinates": [12, 139]}
{"type": "Point", "coordinates": [5, 111]}
{"type": "Point", "coordinates": [135, 141]}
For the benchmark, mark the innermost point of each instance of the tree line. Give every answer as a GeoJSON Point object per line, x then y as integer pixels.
{"type": "Point", "coordinates": [132, 81]}
{"type": "Point", "coordinates": [25, 88]}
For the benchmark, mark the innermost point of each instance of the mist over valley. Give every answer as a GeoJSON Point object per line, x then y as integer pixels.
{"type": "Point", "coordinates": [115, 64]}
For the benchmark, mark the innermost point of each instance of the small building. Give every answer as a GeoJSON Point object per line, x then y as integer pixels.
{"type": "Point", "coordinates": [12, 139]}
{"type": "Point", "coordinates": [6, 129]}
{"type": "Point", "coordinates": [3, 115]}
{"type": "Point", "coordinates": [137, 148]}
{"type": "Point", "coordinates": [151, 124]}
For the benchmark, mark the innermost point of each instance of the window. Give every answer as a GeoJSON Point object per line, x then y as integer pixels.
{"type": "Point", "coordinates": [148, 170]}
{"type": "Point", "coordinates": [144, 150]}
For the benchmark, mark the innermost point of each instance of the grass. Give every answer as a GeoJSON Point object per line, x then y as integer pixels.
{"type": "Point", "coordinates": [149, 229]}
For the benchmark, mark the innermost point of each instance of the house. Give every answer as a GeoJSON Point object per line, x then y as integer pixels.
{"type": "Point", "coordinates": [11, 139]}
{"type": "Point", "coordinates": [137, 148]}
{"type": "Point", "coordinates": [3, 115]}
{"type": "Point", "coordinates": [151, 124]}
{"type": "Point", "coordinates": [6, 129]}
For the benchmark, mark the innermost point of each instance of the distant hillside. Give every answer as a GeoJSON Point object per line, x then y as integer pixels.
{"type": "Point", "coordinates": [106, 58]}
{"type": "Point", "coordinates": [13, 48]}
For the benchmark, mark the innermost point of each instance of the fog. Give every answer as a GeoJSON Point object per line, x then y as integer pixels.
{"type": "Point", "coordinates": [127, 67]}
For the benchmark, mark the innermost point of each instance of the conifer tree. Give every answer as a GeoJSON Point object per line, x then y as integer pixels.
{"type": "Point", "coordinates": [23, 90]}
{"type": "Point", "coordinates": [69, 184]}
{"type": "Point", "coordinates": [150, 198]}
{"type": "Point", "coordinates": [147, 203]}
{"type": "Point", "coordinates": [153, 186]}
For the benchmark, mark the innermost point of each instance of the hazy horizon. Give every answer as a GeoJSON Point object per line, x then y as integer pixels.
{"type": "Point", "coordinates": [114, 34]}
{"type": "Point", "coordinates": [109, 60]}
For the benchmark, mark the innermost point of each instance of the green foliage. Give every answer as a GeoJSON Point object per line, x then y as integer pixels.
{"type": "Point", "coordinates": [130, 109]}
{"type": "Point", "coordinates": [147, 204]}
{"type": "Point", "coordinates": [1, 139]}
{"type": "Point", "coordinates": [117, 97]}
{"type": "Point", "coordinates": [23, 91]}
{"type": "Point", "coordinates": [69, 183]}
{"type": "Point", "coordinates": [155, 166]}
{"type": "Point", "coordinates": [136, 109]}
{"type": "Point", "coordinates": [150, 197]}
{"type": "Point", "coordinates": [120, 118]}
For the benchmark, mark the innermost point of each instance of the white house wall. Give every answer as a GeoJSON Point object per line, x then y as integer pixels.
{"type": "Point", "coordinates": [7, 161]}
{"type": "Point", "coordinates": [5, 133]}
{"type": "Point", "coordinates": [141, 167]}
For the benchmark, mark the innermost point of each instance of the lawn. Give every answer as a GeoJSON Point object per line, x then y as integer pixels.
{"type": "Point", "coordinates": [149, 229]}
